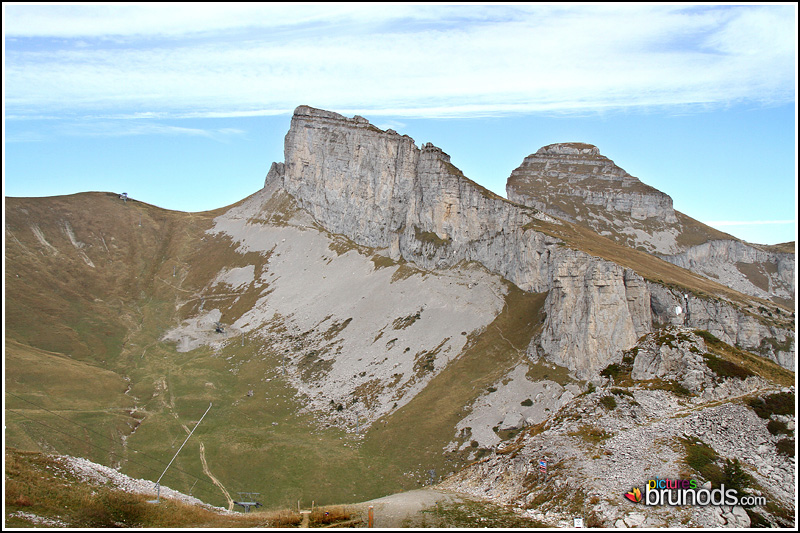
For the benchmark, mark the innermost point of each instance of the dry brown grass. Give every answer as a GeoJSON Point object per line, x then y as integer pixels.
{"type": "Point", "coordinates": [648, 266]}
{"type": "Point", "coordinates": [40, 485]}
{"type": "Point", "coordinates": [331, 515]}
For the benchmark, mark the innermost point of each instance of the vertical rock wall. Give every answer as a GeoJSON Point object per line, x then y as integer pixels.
{"type": "Point", "coordinates": [381, 190]}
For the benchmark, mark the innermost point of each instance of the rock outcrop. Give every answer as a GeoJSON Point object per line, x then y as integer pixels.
{"type": "Point", "coordinates": [750, 331]}
{"type": "Point", "coordinates": [597, 449]}
{"type": "Point", "coordinates": [743, 267]}
{"type": "Point", "coordinates": [575, 182]}
{"type": "Point", "coordinates": [560, 178]}
{"type": "Point", "coordinates": [380, 190]}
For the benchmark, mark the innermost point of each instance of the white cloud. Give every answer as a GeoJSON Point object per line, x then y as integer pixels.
{"type": "Point", "coordinates": [405, 61]}
{"type": "Point", "coordinates": [116, 128]}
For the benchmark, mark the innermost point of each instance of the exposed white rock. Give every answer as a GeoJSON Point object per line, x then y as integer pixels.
{"type": "Point", "coordinates": [347, 329]}
{"type": "Point", "coordinates": [515, 401]}
{"type": "Point", "coordinates": [380, 190]}
{"type": "Point", "coordinates": [743, 267]}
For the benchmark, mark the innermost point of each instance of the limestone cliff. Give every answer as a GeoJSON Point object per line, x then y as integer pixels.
{"type": "Point", "coordinates": [575, 182]}
{"type": "Point", "coordinates": [746, 268]}
{"type": "Point", "coordinates": [379, 189]}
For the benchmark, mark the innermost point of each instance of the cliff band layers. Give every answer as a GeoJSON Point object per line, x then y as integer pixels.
{"type": "Point", "coordinates": [379, 189]}
{"type": "Point", "coordinates": [573, 181]}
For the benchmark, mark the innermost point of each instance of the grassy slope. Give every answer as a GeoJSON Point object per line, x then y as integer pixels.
{"type": "Point", "coordinates": [42, 486]}
{"type": "Point", "coordinates": [77, 336]}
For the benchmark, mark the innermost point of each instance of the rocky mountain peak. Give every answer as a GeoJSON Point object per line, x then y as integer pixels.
{"type": "Point", "coordinates": [561, 178]}
{"type": "Point", "coordinates": [569, 149]}
{"type": "Point", "coordinates": [381, 190]}
{"type": "Point", "coordinates": [575, 182]}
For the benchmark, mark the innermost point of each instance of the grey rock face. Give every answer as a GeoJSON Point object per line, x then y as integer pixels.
{"type": "Point", "coordinates": [743, 267]}
{"type": "Point", "coordinates": [575, 182]}
{"type": "Point", "coordinates": [380, 190]}
{"type": "Point", "coordinates": [725, 322]}
{"type": "Point", "coordinates": [578, 172]}
{"type": "Point", "coordinates": [597, 313]}
{"type": "Point", "coordinates": [673, 353]}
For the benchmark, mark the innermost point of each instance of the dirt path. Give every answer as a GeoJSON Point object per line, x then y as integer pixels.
{"type": "Point", "coordinates": [403, 509]}
{"type": "Point", "coordinates": [213, 479]}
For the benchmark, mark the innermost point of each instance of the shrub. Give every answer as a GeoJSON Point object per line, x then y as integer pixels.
{"type": "Point", "coordinates": [778, 427]}
{"type": "Point", "coordinates": [608, 402]}
{"type": "Point", "coordinates": [726, 369]}
{"type": "Point", "coordinates": [611, 371]}
{"type": "Point", "coordinates": [735, 476]}
{"type": "Point", "coordinates": [786, 447]}
{"type": "Point", "coordinates": [672, 386]}
{"type": "Point", "coordinates": [527, 402]}
{"type": "Point", "coordinates": [702, 458]}
{"type": "Point", "coordinates": [708, 337]}
{"type": "Point", "coordinates": [622, 392]}
{"type": "Point", "coordinates": [781, 403]}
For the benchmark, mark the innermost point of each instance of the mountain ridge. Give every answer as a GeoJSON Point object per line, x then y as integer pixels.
{"type": "Point", "coordinates": [413, 201]}
{"type": "Point", "coordinates": [575, 182]}
{"type": "Point", "coordinates": [416, 323]}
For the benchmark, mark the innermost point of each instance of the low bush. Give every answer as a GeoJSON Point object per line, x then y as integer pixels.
{"type": "Point", "coordinates": [786, 447]}
{"type": "Point", "coordinates": [608, 402]}
{"type": "Point", "coordinates": [778, 427]}
{"type": "Point", "coordinates": [726, 369]}
{"type": "Point", "coordinates": [781, 403]}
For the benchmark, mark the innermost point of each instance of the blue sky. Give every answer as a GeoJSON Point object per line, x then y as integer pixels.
{"type": "Point", "coordinates": [186, 107]}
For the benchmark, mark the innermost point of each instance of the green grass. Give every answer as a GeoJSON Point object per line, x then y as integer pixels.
{"type": "Point", "coordinates": [429, 237]}
{"type": "Point", "coordinates": [591, 434]}
{"type": "Point", "coordinates": [83, 344]}
{"type": "Point", "coordinates": [114, 320]}
{"type": "Point", "coordinates": [82, 376]}
{"type": "Point", "coordinates": [734, 362]}
{"type": "Point", "coordinates": [726, 369]}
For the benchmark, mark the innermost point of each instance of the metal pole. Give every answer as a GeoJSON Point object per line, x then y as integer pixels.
{"type": "Point", "coordinates": [158, 483]}
{"type": "Point", "coordinates": [371, 517]}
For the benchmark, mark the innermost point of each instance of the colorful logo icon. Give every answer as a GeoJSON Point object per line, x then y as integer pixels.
{"type": "Point", "coordinates": [635, 495]}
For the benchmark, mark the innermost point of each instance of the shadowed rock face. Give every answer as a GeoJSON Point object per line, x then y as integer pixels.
{"type": "Point", "coordinates": [379, 189]}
